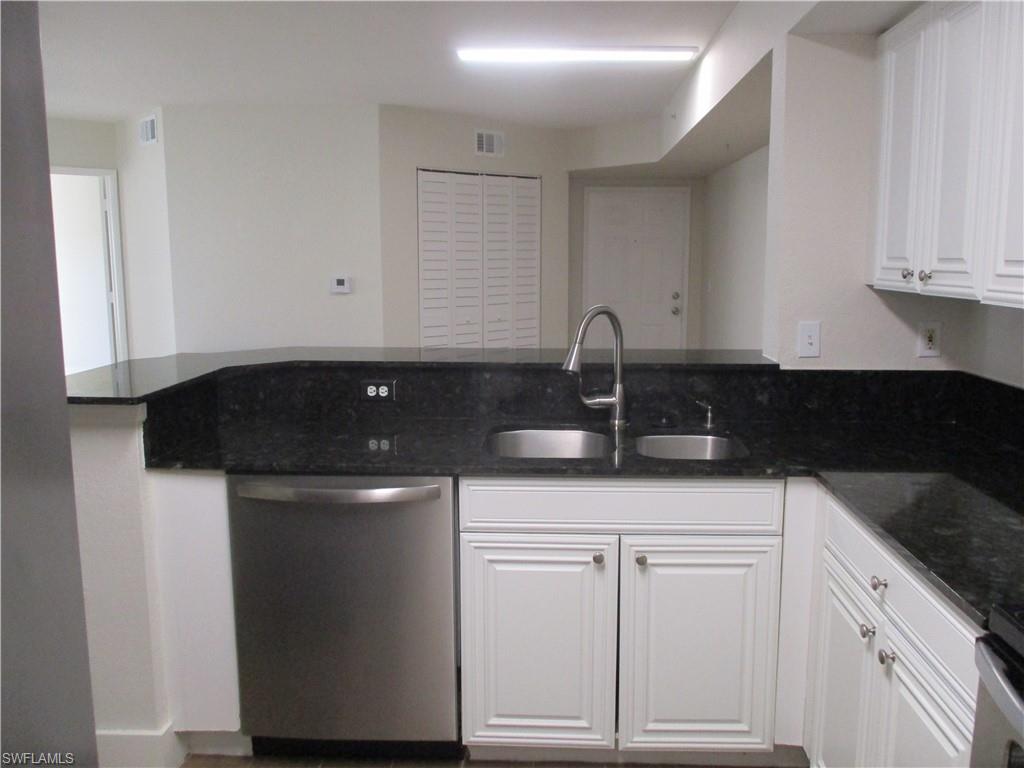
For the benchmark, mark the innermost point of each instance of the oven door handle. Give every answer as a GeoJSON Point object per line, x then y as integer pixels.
{"type": "Point", "coordinates": [270, 492]}
{"type": "Point", "coordinates": [992, 672]}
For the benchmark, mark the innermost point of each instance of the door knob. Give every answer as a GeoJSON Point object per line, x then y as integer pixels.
{"type": "Point", "coordinates": [641, 560]}
{"type": "Point", "coordinates": [886, 657]}
{"type": "Point", "coordinates": [675, 310]}
{"type": "Point", "coordinates": [675, 294]}
{"type": "Point", "coordinates": [905, 273]}
{"type": "Point", "coordinates": [599, 558]}
{"type": "Point", "coordinates": [877, 583]}
{"type": "Point", "coordinates": [922, 275]}
{"type": "Point", "coordinates": [866, 631]}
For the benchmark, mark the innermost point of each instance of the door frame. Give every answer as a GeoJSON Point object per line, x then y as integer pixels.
{"type": "Point", "coordinates": [112, 242]}
{"type": "Point", "coordinates": [684, 304]}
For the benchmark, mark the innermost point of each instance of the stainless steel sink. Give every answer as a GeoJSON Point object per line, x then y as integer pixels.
{"type": "Point", "coordinates": [691, 447]}
{"type": "Point", "coordinates": [549, 444]}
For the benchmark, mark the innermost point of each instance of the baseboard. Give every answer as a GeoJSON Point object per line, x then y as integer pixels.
{"type": "Point", "coordinates": [158, 748]}
{"type": "Point", "coordinates": [781, 757]}
{"type": "Point", "coordinates": [232, 743]}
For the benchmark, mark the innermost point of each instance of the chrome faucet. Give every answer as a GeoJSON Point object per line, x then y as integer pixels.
{"type": "Point", "coordinates": [616, 399]}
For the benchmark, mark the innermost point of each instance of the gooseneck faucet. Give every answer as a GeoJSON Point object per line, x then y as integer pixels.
{"type": "Point", "coordinates": [616, 399]}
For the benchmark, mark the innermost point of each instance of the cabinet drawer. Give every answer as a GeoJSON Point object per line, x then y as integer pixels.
{"type": "Point", "coordinates": [943, 635]}
{"type": "Point", "coordinates": [621, 506]}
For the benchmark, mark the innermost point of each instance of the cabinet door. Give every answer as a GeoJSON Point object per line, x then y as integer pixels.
{"type": "Point", "coordinates": [902, 69]}
{"type": "Point", "coordinates": [845, 665]}
{"type": "Point", "coordinates": [699, 636]}
{"type": "Point", "coordinates": [952, 116]}
{"type": "Point", "coordinates": [538, 639]}
{"type": "Point", "coordinates": [917, 726]}
{"type": "Point", "coordinates": [999, 226]}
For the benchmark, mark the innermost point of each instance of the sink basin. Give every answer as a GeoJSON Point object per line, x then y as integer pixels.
{"type": "Point", "coordinates": [691, 447]}
{"type": "Point", "coordinates": [549, 444]}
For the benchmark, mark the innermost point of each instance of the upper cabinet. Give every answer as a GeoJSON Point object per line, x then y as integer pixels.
{"type": "Point", "coordinates": [949, 203]}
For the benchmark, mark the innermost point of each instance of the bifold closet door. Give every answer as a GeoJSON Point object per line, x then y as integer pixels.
{"type": "Point", "coordinates": [450, 259]}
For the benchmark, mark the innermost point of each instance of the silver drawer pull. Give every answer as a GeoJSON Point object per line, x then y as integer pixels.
{"type": "Point", "coordinates": [599, 558]}
{"type": "Point", "coordinates": [886, 657]}
{"type": "Point", "coordinates": [866, 631]}
{"type": "Point", "coordinates": [641, 560]}
{"type": "Point", "coordinates": [877, 583]}
{"type": "Point", "coordinates": [268, 492]}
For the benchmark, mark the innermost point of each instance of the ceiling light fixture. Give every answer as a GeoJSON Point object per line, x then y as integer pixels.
{"type": "Point", "coordinates": [575, 55]}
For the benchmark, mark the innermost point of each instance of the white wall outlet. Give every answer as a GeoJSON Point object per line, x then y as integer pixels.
{"type": "Point", "coordinates": [341, 284]}
{"type": "Point", "coordinates": [808, 338]}
{"type": "Point", "coordinates": [929, 336]}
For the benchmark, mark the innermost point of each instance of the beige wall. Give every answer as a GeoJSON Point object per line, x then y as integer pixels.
{"type": "Point", "coordinates": [149, 294]}
{"type": "Point", "coordinates": [734, 238]}
{"type": "Point", "coordinates": [416, 138]}
{"type": "Point", "coordinates": [266, 205]}
{"type": "Point", "coordinates": [821, 222]}
{"type": "Point", "coordinates": [81, 143]}
{"type": "Point", "coordinates": [577, 188]}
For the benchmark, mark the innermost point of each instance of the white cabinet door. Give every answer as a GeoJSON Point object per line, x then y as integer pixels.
{"type": "Point", "coordinates": [903, 88]}
{"type": "Point", "coordinates": [698, 642]}
{"type": "Point", "coordinates": [845, 673]}
{"type": "Point", "coordinates": [952, 114]}
{"type": "Point", "coordinates": [916, 725]}
{"type": "Point", "coordinates": [1000, 226]}
{"type": "Point", "coordinates": [538, 639]}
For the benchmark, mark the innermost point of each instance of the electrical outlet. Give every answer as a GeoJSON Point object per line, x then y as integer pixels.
{"type": "Point", "coordinates": [382, 444]}
{"type": "Point", "coordinates": [379, 390]}
{"type": "Point", "coordinates": [929, 337]}
{"type": "Point", "coordinates": [808, 338]}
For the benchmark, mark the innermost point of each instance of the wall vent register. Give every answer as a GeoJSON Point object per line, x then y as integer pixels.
{"type": "Point", "coordinates": [147, 130]}
{"type": "Point", "coordinates": [490, 143]}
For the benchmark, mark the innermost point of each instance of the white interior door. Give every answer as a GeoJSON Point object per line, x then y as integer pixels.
{"type": "Point", "coordinates": [635, 259]}
{"type": "Point", "coordinates": [86, 236]}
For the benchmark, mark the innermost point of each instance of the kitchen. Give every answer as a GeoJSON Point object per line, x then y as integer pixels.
{"type": "Point", "coordinates": [363, 479]}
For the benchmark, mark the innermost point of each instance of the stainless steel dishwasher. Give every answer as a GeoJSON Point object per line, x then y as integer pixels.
{"type": "Point", "coordinates": [345, 607]}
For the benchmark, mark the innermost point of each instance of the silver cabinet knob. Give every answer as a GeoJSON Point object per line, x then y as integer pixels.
{"type": "Point", "coordinates": [886, 657]}
{"type": "Point", "coordinates": [905, 273]}
{"type": "Point", "coordinates": [866, 631]}
{"type": "Point", "coordinates": [675, 294]}
{"type": "Point", "coordinates": [599, 558]}
{"type": "Point", "coordinates": [922, 275]}
{"type": "Point", "coordinates": [877, 583]}
{"type": "Point", "coordinates": [675, 310]}
{"type": "Point", "coordinates": [641, 560]}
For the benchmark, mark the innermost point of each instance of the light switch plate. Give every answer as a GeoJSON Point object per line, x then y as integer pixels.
{"type": "Point", "coordinates": [808, 338]}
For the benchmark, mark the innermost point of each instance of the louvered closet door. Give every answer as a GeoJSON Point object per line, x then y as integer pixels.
{"type": "Point", "coordinates": [450, 252]}
{"type": "Point", "coordinates": [479, 254]}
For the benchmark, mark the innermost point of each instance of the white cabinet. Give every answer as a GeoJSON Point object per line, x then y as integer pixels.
{"type": "Point", "coordinates": [948, 221]}
{"type": "Point", "coordinates": [893, 681]}
{"type": "Point", "coordinates": [538, 639]}
{"type": "Point", "coordinates": [845, 673]}
{"type": "Point", "coordinates": [699, 622]}
{"type": "Point", "coordinates": [694, 635]}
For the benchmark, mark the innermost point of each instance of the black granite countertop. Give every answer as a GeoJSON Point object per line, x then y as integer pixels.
{"type": "Point", "coordinates": [136, 381]}
{"type": "Point", "coordinates": [932, 462]}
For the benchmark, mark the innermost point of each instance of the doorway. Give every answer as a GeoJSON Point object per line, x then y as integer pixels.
{"type": "Point", "coordinates": [636, 259]}
{"type": "Point", "coordinates": [87, 237]}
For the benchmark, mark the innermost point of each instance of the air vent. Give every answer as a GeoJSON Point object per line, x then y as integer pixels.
{"type": "Point", "coordinates": [490, 143]}
{"type": "Point", "coordinates": [147, 130]}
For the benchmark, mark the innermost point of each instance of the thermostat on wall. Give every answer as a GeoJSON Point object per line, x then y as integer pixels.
{"type": "Point", "coordinates": [341, 284]}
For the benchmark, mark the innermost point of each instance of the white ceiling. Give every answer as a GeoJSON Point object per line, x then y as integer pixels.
{"type": "Point", "coordinates": [113, 60]}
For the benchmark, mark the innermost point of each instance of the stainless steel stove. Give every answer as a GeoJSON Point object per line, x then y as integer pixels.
{"type": "Point", "coordinates": [999, 719]}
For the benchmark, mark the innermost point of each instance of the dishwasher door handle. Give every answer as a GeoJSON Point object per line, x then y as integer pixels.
{"type": "Point", "coordinates": [268, 492]}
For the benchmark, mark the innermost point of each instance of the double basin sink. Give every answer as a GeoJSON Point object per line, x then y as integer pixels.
{"type": "Point", "coordinates": [585, 444]}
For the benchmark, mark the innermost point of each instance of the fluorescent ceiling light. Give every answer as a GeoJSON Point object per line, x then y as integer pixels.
{"type": "Point", "coordinates": [574, 55]}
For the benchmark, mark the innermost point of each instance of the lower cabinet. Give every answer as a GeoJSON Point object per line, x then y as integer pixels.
{"type": "Point", "coordinates": [681, 628]}
{"type": "Point", "coordinates": [539, 619]}
{"type": "Point", "coordinates": [698, 627]}
{"type": "Point", "coordinates": [883, 694]}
